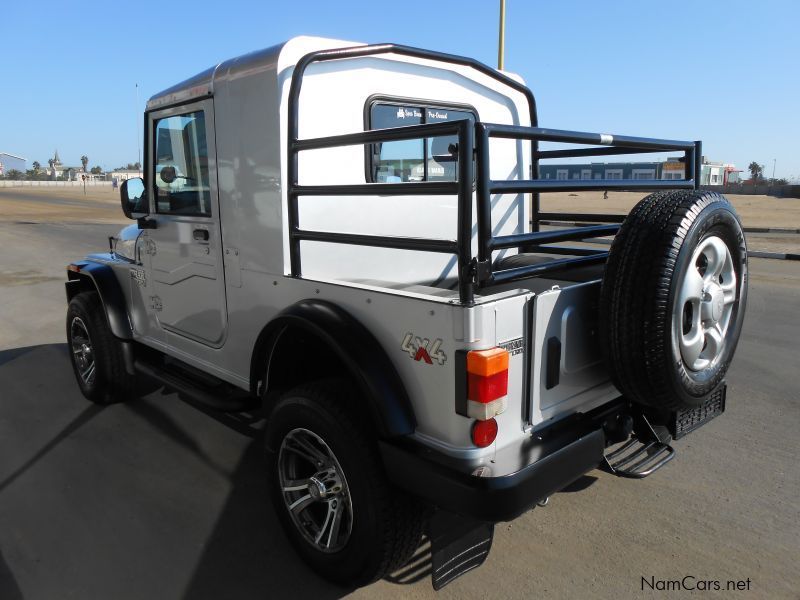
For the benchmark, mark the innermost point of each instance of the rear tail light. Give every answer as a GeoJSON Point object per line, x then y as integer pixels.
{"type": "Point", "coordinates": [484, 433]}
{"type": "Point", "coordinates": [487, 383]}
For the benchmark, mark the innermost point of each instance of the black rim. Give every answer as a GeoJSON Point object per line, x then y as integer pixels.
{"type": "Point", "coordinates": [82, 351]}
{"type": "Point", "coordinates": [314, 490]}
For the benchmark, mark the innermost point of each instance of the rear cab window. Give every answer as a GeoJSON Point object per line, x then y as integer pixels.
{"type": "Point", "coordinates": [424, 159]}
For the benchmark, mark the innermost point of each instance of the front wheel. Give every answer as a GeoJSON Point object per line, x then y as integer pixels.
{"type": "Point", "coordinates": [95, 353]}
{"type": "Point", "coordinates": [329, 491]}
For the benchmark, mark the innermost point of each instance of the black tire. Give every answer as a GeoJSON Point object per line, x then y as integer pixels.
{"type": "Point", "coordinates": [111, 382]}
{"type": "Point", "coordinates": [649, 258]}
{"type": "Point", "coordinates": [386, 525]}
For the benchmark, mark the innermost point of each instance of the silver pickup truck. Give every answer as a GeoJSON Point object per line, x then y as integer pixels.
{"type": "Point", "coordinates": [349, 239]}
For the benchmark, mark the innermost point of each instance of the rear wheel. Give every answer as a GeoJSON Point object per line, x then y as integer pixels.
{"type": "Point", "coordinates": [329, 491]}
{"type": "Point", "coordinates": [95, 353]}
{"type": "Point", "coordinates": [673, 298]}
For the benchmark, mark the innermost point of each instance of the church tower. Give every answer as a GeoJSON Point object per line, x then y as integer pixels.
{"type": "Point", "coordinates": [55, 166]}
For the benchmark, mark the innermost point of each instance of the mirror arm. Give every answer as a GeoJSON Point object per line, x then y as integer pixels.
{"type": "Point", "coordinates": [145, 223]}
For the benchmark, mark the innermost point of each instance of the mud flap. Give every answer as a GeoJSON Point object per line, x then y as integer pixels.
{"type": "Point", "coordinates": [458, 544]}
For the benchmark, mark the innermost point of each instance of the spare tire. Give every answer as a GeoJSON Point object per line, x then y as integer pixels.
{"type": "Point", "coordinates": [673, 298]}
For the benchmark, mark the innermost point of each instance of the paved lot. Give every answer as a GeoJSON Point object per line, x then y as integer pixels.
{"type": "Point", "coordinates": [755, 211]}
{"type": "Point", "coordinates": [157, 499]}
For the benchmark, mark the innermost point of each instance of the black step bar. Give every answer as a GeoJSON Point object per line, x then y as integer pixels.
{"type": "Point", "coordinates": [222, 397]}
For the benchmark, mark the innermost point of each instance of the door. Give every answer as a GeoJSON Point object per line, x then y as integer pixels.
{"type": "Point", "coordinates": [185, 248]}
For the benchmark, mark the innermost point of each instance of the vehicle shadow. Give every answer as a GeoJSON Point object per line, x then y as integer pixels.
{"type": "Point", "coordinates": [247, 554]}
{"type": "Point", "coordinates": [581, 483]}
{"type": "Point", "coordinates": [9, 589]}
{"type": "Point", "coordinates": [86, 415]}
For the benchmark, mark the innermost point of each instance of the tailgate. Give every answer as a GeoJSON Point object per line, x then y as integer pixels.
{"type": "Point", "coordinates": [567, 370]}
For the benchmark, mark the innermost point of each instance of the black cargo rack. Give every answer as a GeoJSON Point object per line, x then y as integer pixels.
{"type": "Point", "coordinates": [473, 141]}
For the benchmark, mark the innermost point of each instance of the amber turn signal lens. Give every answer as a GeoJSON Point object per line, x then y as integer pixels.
{"type": "Point", "coordinates": [487, 362]}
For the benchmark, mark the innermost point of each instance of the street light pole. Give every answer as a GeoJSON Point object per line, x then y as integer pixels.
{"type": "Point", "coordinates": [502, 41]}
{"type": "Point", "coordinates": [138, 143]}
{"type": "Point", "coordinates": [774, 160]}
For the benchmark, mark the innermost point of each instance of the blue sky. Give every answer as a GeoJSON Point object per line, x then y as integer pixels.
{"type": "Point", "coordinates": [725, 72]}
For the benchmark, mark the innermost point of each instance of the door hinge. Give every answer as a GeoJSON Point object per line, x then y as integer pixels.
{"type": "Point", "coordinates": [150, 247]}
{"type": "Point", "coordinates": [479, 270]}
{"type": "Point", "coordinates": [155, 303]}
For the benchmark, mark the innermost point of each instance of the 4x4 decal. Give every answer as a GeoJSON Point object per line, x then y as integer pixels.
{"type": "Point", "coordinates": [418, 349]}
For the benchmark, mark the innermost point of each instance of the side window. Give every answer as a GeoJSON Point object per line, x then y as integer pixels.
{"type": "Point", "coordinates": [181, 165]}
{"type": "Point", "coordinates": [428, 159]}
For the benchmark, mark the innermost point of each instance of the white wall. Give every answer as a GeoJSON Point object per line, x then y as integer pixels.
{"type": "Point", "coordinates": [91, 182]}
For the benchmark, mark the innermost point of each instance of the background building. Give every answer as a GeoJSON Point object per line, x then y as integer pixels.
{"type": "Point", "coordinates": [55, 167]}
{"type": "Point", "coordinates": [11, 162]}
{"type": "Point", "coordinates": [122, 174]}
{"type": "Point", "coordinates": [711, 173]}
{"type": "Point", "coordinates": [628, 170]}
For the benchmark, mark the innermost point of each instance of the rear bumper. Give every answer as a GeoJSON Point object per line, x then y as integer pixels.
{"type": "Point", "coordinates": [500, 498]}
{"type": "Point", "coordinates": [517, 479]}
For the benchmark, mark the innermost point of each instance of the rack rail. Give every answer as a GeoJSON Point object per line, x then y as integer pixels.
{"type": "Point", "coordinates": [473, 142]}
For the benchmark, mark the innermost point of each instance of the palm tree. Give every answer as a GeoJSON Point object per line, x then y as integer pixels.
{"type": "Point", "coordinates": [755, 170]}
{"type": "Point", "coordinates": [84, 162]}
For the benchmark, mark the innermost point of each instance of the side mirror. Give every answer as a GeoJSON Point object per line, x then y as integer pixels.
{"type": "Point", "coordinates": [133, 198]}
{"type": "Point", "coordinates": [168, 174]}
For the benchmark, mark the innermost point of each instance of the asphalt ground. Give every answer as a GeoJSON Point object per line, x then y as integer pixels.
{"type": "Point", "coordinates": [158, 499]}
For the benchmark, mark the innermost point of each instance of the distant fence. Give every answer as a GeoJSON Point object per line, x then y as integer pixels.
{"type": "Point", "coordinates": [25, 183]}
{"type": "Point", "coordinates": [781, 191]}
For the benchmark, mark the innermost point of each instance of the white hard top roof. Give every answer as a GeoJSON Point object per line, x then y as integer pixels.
{"type": "Point", "coordinates": [276, 57]}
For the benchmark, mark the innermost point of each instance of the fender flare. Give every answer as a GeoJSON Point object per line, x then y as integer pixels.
{"type": "Point", "coordinates": [100, 277]}
{"type": "Point", "coordinates": [362, 355]}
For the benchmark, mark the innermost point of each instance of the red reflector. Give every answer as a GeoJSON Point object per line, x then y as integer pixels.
{"type": "Point", "coordinates": [74, 268]}
{"type": "Point", "coordinates": [485, 389]}
{"type": "Point", "coordinates": [484, 433]}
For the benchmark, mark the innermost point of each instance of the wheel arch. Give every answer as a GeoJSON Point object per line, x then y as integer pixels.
{"type": "Point", "coordinates": [336, 338]}
{"type": "Point", "coordinates": [94, 276]}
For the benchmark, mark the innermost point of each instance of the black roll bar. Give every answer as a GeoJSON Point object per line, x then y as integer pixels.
{"type": "Point", "coordinates": [295, 144]}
